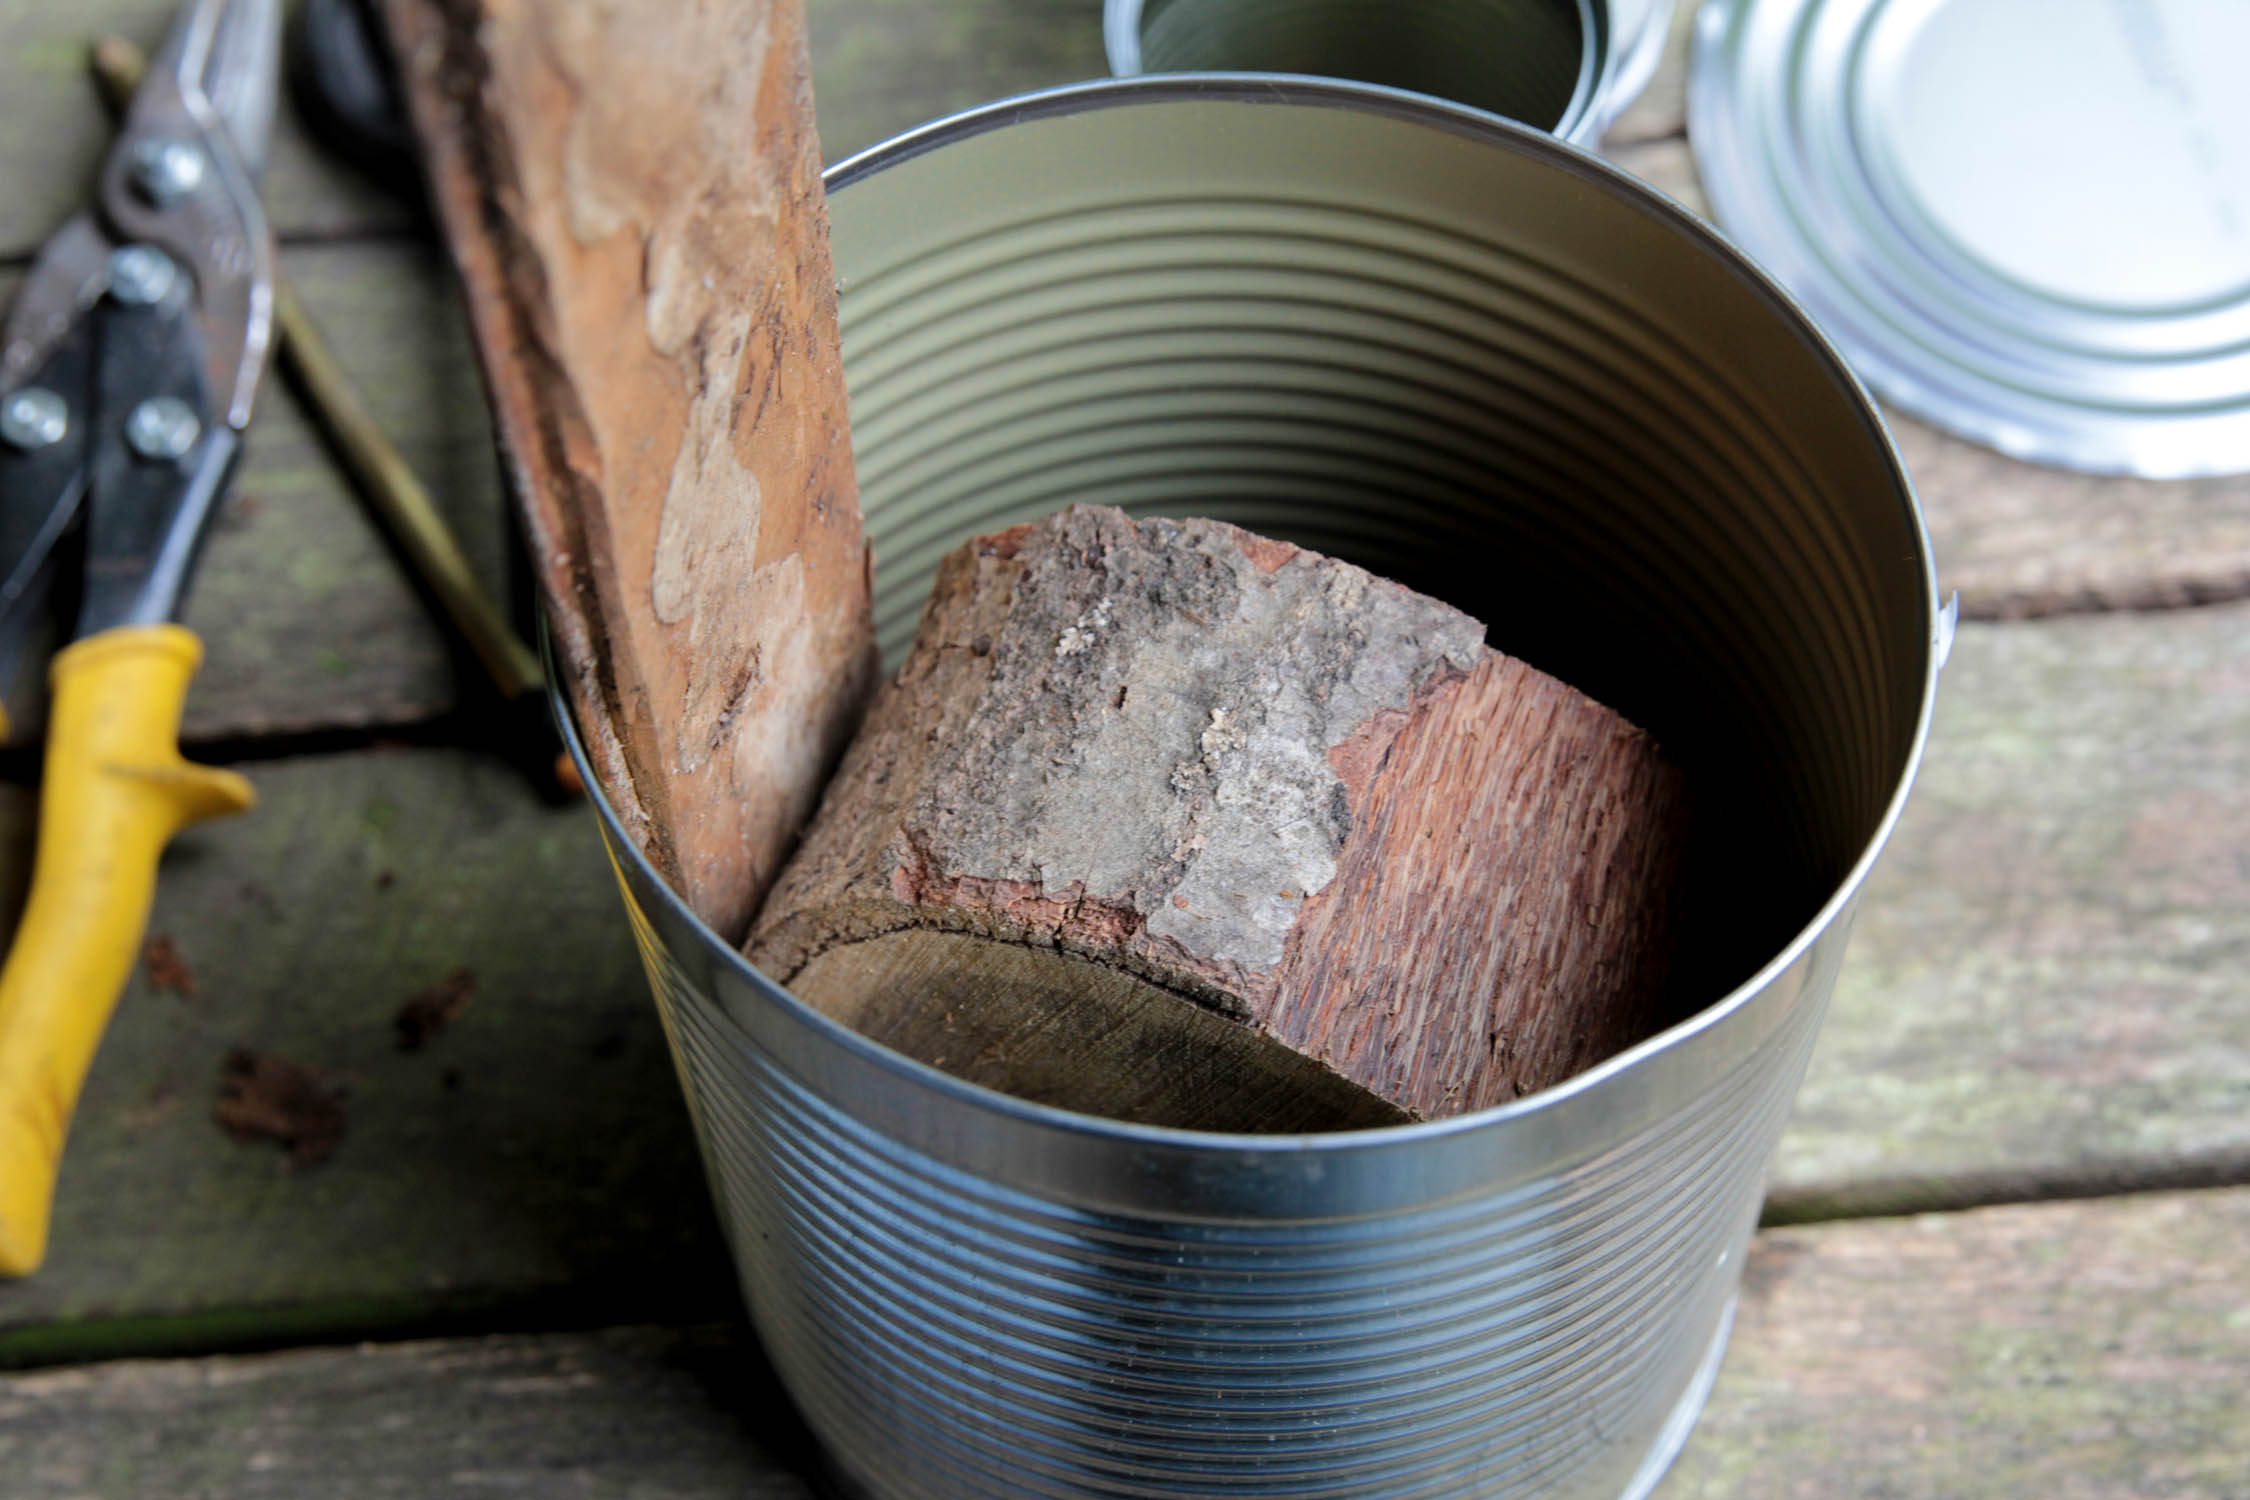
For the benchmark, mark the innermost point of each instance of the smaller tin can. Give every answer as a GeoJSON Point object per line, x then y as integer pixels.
{"type": "Point", "coordinates": [1568, 67]}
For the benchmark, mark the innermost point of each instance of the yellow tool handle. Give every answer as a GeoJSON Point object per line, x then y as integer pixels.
{"type": "Point", "coordinates": [115, 792]}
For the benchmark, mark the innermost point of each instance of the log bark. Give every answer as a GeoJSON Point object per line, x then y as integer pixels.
{"type": "Point", "coordinates": [632, 197]}
{"type": "Point", "coordinates": [1168, 821]}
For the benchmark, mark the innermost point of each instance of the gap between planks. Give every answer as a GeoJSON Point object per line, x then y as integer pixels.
{"type": "Point", "coordinates": [1897, 1197]}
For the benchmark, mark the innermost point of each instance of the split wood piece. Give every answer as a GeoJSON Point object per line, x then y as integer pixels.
{"type": "Point", "coordinates": [632, 196]}
{"type": "Point", "coordinates": [1173, 823]}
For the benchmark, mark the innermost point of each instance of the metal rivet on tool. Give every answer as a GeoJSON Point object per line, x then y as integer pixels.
{"type": "Point", "coordinates": [33, 417]}
{"type": "Point", "coordinates": [168, 170]}
{"type": "Point", "coordinates": [141, 275]}
{"type": "Point", "coordinates": [162, 427]}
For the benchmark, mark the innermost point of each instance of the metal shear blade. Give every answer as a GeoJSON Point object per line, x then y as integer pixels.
{"type": "Point", "coordinates": [182, 175]}
{"type": "Point", "coordinates": [171, 265]}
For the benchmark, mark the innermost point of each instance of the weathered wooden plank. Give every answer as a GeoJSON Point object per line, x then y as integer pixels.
{"type": "Point", "coordinates": [312, 624]}
{"type": "Point", "coordinates": [1661, 109]}
{"type": "Point", "coordinates": [2023, 540]}
{"type": "Point", "coordinates": [2085, 1351]}
{"type": "Point", "coordinates": [309, 620]}
{"type": "Point", "coordinates": [312, 620]}
{"type": "Point", "coordinates": [880, 66]}
{"type": "Point", "coordinates": [650, 1414]}
{"type": "Point", "coordinates": [530, 1161]}
{"type": "Point", "coordinates": [2044, 985]}
{"type": "Point", "coordinates": [883, 66]}
{"type": "Point", "coordinates": [2046, 978]}
{"type": "Point", "coordinates": [58, 132]}
{"type": "Point", "coordinates": [632, 200]}
{"type": "Point", "coordinates": [2038, 992]}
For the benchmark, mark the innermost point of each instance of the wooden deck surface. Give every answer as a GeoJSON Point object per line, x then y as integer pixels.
{"type": "Point", "coordinates": [2016, 1190]}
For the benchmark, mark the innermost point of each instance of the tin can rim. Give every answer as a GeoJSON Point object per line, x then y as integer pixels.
{"type": "Point", "coordinates": [1479, 125]}
{"type": "Point", "coordinates": [1601, 73]}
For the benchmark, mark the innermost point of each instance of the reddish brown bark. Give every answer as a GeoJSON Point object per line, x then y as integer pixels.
{"type": "Point", "coordinates": [1262, 784]}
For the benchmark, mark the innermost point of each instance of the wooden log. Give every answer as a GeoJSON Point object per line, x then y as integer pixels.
{"type": "Point", "coordinates": [1171, 822]}
{"type": "Point", "coordinates": [632, 196]}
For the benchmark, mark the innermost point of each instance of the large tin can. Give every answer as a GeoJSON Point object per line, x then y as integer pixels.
{"type": "Point", "coordinates": [1486, 364]}
{"type": "Point", "coordinates": [1566, 66]}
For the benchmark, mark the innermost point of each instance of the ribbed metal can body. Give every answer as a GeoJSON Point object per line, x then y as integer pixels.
{"type": "Point", "coordinates": [967, 1303]}
{"type": "Point", "coordinates": [1565, 66]}
{"type": "Point", "coordinates": [1470, 357]}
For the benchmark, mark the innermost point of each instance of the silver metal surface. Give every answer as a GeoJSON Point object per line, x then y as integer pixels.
{"type": "Point", "coordinates": [1638, 30]}
{"type": "Point", "coordinates": [66, 275]}
{"type": "Point", "coordinates": [240, 74]}
{"type": "Point", "coordinates": [218, 231]}
{"type": "Point", "coordinates": [1542, 62]}
{"type": "Point", "coordinates": [166, 171]}
{"type": "Point", "coordinates": [1466, 356]}
{"type": "Point", "coordinates": [33, 418]}
{"type": "Point", "coordinates": [2026, 221]}
{"type": "Point", "coordinates": [141, 275]}
{"type": "Point", "coordinates": [162, 428]}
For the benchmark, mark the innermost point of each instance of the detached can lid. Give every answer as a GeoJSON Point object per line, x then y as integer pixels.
{"type": "Point", "coordinates": [2026, 221]}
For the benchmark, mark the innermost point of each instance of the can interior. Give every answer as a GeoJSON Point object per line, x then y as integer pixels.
{"type": "Point", "coordinates": [1525, 59]}
{"type": "Point", "coordinates": [1454, 353]}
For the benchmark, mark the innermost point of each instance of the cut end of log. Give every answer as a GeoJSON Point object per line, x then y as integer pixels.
{"type": "Point", "coordinates": [1000, 1014]}
{"type": "Point", "coordinates": [1152, 789]}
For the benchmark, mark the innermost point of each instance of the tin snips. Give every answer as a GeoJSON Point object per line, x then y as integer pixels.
{"type": "Point", "coordinates": [129, 362]}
